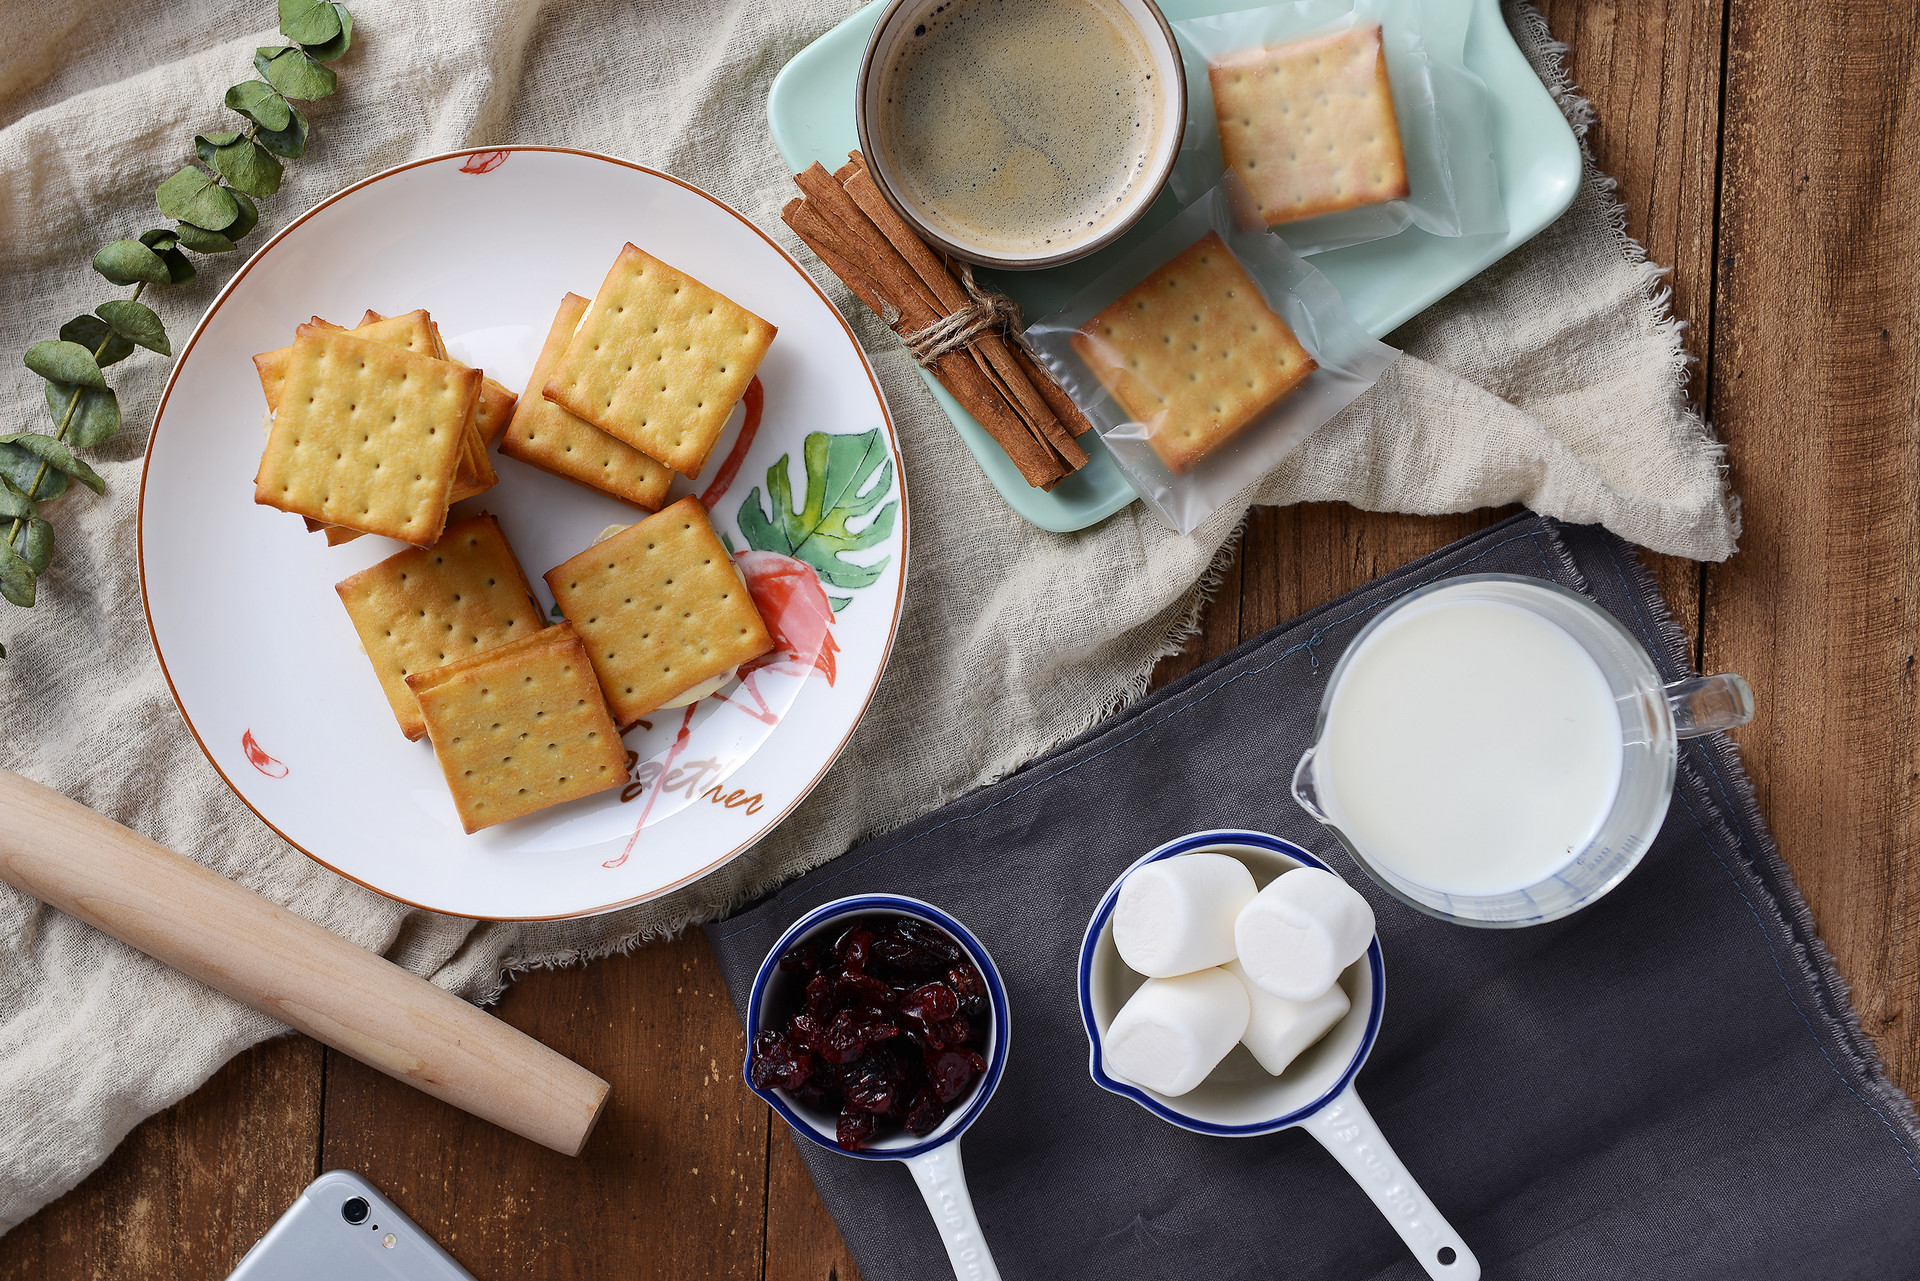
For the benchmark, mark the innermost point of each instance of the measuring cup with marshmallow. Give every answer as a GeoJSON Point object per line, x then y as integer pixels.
{"type": "Point", "coordinates": [933, 1157]}
{"type": "Point", "coordinates": [1249, 996]}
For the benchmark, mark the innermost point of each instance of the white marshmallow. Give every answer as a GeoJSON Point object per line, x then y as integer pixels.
{"type": "Point", "coordinates": [1176, 916]}
{"type": "Point", "coordinates": [1301, 931]}
{"type": "Point", "coordinates": [1277, 1029]}
{"type": "Point", "coordinates": [1172, 1032]}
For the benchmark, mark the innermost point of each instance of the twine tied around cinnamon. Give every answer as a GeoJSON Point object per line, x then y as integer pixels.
{"type": "Point", "coordinates": [988, 311]}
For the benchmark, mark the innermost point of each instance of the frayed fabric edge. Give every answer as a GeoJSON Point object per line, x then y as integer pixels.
{"type": "Point", "coordinates": [1548, 57]}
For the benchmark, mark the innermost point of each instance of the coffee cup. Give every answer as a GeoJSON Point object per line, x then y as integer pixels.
{"type": "Point", "coordinates": [1020, 135]}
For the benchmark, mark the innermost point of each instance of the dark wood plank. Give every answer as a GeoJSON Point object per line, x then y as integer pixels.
{"type": "Point", "coordinates": [672, 1183]}
{"type": "Point", "coordinates": [802, 1242]}
{"type": "Point", "coordinates": [193, 1187]}
{"type": "Point", "coordinates": [1816, 377]}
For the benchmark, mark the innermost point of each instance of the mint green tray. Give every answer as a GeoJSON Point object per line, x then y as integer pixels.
{"type": "Point", "coordinates": [1385, 282]}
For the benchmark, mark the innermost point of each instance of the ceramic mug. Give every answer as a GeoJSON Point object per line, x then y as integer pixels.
{"type": "Point", "coordinates": [897, 25]}
{"type": "Point", "coordinates": [1654, 716]}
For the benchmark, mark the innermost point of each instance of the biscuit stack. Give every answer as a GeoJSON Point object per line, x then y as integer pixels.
{"type": "Point", "coordinates": [375, 430]}
{"type": "Point", "coordinates": [636, 385]}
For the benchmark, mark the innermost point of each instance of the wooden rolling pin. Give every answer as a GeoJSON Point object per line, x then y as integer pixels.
{"type": "Point", "coordinates": [284, 965]}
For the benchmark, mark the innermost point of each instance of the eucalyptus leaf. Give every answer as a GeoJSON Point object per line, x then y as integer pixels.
{"type": "Point", "coordinates": [193, 195]}
{"type": "Point", "coordinates": [290, 142]}
{"type": "Point", "coordinates": [160, 239]}
{"type": "Point", "coordinates": [249, 212]}
{"type": "Point", "coordinates": [137, 322]}
{"type": "Point", "coordinates": [91, 332]}
{"type": "Point", "coordinates": [202, 241]}
{"type": "Point", "coordinates": [14, 505]}
{"type": "Point", "coordinates": [205, 144]}
{"type": "Point", "coordinates": [66, 362]}
{"type": "Point", "coordinates": [249, 166]}
{"type": "Point", "coordinates": [264, 55]}
{"type": "Point", "coordinates": [95, 418]}
{"type": "Point", "coordinates": [19, 468]}
{"type": "Point", "coordinates": [57, 456]}
{"type": "Point", "coordinates": [126, 262]}
{"type": "Point", "coordinates": [335, 47]}
{"type": "Point", "coordinates": [16, 576]}
{"type": "Point", "coordinates": [260, 103]}
{"type": "Point", "coordinates": [179, 266]}
{"type": "Point", "coordinates": [36, 546]}
{"type": "Point", "coordinates": [308, 21]}
{"type": "Point", "coordinates": [296, 75]}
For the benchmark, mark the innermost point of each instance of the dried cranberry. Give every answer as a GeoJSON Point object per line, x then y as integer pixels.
{"type": "Point", "coordinates": [950, 1072]}
{"type": "Point", "coordinates": [807, 1031]}
{"type": "Point", "coordinates": [868, 1086]}
{"type": "Point", "coordinates": [925, 1113]}
{"type": "Point", "coordinates": [851, 987]}
{"type": "Point", "coordinates": [970, 988]}
{"type": "Point", "coordinates": [777, 1062]}
{"type": "Point", "coordinates": [820, 989]}
{"type": "Point", "coordinates": [930, 1003]}
{"type": "Point", "coordinates": [855, 1129]}
{"type": "Point", "coordinates": [927, 937]}
{"type": "Point", "coordinates": [854, 947]}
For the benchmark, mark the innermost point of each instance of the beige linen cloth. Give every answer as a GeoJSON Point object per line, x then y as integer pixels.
{"type": "Point", "coordinates": [1553, 380]}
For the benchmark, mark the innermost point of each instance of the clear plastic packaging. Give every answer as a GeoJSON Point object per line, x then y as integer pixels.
{"type": "Point", "coordinates": [1439, 107]}
{"type": "Point", "coordinates": [1198, 386]}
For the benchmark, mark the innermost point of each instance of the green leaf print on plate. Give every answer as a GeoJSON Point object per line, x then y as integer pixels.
{"type": "Point", "coordinates": [839, 469]}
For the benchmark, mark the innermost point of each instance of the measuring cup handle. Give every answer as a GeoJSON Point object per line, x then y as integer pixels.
{"type": "Point", "coordinates": [943, 1182]}
{"type": "Point", "coordinates": [1345, 1129]}
{"type": "Point", "coordinates": [1705, 704]}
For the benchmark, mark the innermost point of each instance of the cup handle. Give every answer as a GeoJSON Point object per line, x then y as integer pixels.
{"type": "Point", "coordinates": [1346, 1129]}
{"type": "Point", "coordinates": [942, 1180]}
{"type": "Point", "coordinates": [1707, 704]}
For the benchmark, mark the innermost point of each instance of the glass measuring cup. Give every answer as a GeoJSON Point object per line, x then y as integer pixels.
{"type": "Point", "coordinates": [1654, 716]}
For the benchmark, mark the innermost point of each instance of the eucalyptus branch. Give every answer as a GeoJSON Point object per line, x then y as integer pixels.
{"type": "Point", "coordinates": [211, 203]}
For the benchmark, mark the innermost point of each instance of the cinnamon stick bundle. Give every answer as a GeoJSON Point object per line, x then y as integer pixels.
{"type": "Point", "coordinates": [845, 220]}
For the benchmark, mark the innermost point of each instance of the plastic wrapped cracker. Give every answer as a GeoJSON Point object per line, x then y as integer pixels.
{"type": "Point", "coordinates": [1207, 355]}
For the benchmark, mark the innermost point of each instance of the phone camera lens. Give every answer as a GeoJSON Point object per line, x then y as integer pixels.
{"type": "Point", "coordinates": [355, 1210]}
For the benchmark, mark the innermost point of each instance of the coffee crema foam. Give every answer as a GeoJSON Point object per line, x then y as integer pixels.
{"type": "Point", "coordinates": [1021, 127]}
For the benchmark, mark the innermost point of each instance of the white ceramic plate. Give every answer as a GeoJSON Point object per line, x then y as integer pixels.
{"type": "Point", "coordinates": [263, 661]}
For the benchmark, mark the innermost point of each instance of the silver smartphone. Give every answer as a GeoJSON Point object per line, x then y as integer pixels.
{"type": "Point", "coordinates": [342, 1229]}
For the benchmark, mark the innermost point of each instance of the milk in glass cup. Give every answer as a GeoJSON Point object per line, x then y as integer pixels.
{"type": "Point", "coordinates": [1498, 751]}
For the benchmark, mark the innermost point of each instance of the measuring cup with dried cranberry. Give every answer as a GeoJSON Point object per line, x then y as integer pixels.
{"type": "Point", "coordinates": [879, 1029]}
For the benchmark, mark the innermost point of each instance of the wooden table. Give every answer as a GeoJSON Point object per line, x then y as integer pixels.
{"type": "Point", "coordinates": [1766, 151]}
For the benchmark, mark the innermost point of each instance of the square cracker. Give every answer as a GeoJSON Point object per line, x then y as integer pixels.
{"type": "Point", "coordinates": [1193, 353]}
{"type": "Point", "coordinates": [550, 438]}
{"type": "Point", "coordinates": [1310, 126]}
{"type": "Point", "coordinates": [366, 436]}
{"type": "Point", "coordinates": [415, 332]}
{"type": "Point", "coordinates": [425, 607]}
{"type": "Point", "coordinates": [659, 361]}
{"type": "Point", "coordinates": [520, 728]}
{"type": "Point", "coordinates": [661, 608]}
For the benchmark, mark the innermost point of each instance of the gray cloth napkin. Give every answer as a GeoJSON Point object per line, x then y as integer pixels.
{"type": "Point", "coordinates": [1666, 1084]}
